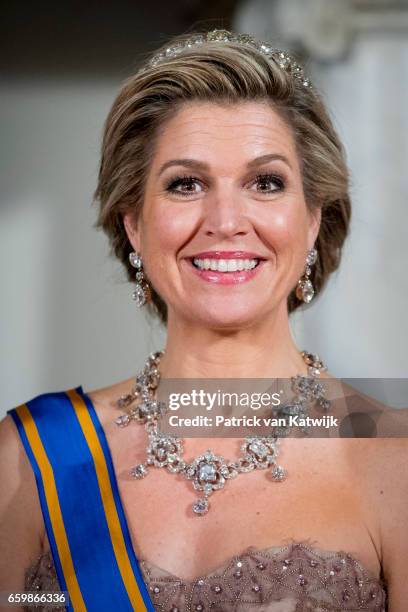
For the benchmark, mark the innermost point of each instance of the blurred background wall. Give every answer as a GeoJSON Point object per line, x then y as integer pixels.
{"type": "Point", "coordinates": [66, 308]}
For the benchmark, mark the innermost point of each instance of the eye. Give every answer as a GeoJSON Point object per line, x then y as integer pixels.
{"type": "Point", "coordinates": [186, 182]}
{"type": "Point", "coordinates": [264, 180]}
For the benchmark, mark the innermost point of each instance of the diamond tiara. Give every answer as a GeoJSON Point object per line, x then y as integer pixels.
{"type": "Point", "coordinates": [281, 58]}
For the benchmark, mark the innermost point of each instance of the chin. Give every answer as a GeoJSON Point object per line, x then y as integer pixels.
{"type": "Point", "coordinates": [226, 318]}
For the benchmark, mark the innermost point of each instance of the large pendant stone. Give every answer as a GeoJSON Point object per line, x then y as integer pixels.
{"type": "Point", "coordinates": [207, 472]}
{"type": "Point", "coordinates": [259, 448]}
{"type": "Point", "coordinates": [305, 291]}
{"type": "Point", "coordinates": [139, 295]}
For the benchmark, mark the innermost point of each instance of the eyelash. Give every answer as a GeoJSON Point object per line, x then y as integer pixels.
{"type": "Point", "coordinates": [189, 180]}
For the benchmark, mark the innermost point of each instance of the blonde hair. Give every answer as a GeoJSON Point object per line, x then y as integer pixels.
{"type": "Point", "coordinates": [226, 73]}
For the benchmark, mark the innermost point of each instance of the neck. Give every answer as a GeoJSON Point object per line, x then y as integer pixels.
{"type": "Point", "coordinates": [263, 350]}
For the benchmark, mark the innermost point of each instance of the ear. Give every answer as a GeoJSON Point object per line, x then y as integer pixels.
{"type": "Point", "coordinates": [315, 217]}
{"type": "Point", "coordinates": [132, 229]}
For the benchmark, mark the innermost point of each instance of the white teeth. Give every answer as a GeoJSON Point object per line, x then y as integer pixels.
{"type": "Point", "coordinates": [225, 265]}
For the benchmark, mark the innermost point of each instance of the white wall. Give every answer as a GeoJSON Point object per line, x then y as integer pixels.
{"type": "Point", "coordinates": [360, 322]}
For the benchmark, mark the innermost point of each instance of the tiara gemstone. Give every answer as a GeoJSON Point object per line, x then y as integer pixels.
{"type": "Point", "coordinates": [219, 35]}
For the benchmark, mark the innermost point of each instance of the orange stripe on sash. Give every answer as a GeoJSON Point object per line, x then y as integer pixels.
{"type": "Point", "coordinates": [54, 509]}
{"type": "Point", "coordinates": [108, 501]}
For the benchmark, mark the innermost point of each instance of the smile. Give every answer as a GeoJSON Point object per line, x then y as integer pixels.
{"type": "Point", "coordinates": [225, 271]}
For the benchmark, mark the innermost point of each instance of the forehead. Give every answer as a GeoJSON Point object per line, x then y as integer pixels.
{"type": "Point", "coordinates": [238, 130]}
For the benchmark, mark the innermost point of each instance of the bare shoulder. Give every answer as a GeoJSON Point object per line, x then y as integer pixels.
{"type": "Point", "coordinates": [381, 464]}
{"type": "Point", "coordinates": [104, 401]}
{"type": "Point", "coordinates": [105, 398]}
{"type": "Point", "coordinates": [366, 415]}
{"type": "Point", "coordinates": [22, 526]}
{"type": "Point", "coordinates": [383, 449]}
{"type": "Point", "coordinates": [390, 460]}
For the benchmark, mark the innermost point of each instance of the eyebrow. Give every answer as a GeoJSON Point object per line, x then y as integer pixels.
{"type": "Point", "coordinates": [195, 163]}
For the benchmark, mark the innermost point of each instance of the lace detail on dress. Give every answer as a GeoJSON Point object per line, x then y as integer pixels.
{"type": "Point", "coordinates": [293, 578]}
{"type": "Point", "coordinates": [41, 576]}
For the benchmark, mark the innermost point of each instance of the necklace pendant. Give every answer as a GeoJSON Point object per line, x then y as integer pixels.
{"type": "Point", "coordinates": [208, 472]}
{"type": "Point", "coordinates": [201, 506]}
{"type": "Point", "coordinates": [278, 473]}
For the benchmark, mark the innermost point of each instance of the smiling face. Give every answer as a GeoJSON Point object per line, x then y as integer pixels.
{"type": "Point", "coordinates": [239, 197]}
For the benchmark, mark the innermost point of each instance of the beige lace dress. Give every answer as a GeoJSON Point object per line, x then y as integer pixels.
{"type": "Point", "coordinates": [293, 578]}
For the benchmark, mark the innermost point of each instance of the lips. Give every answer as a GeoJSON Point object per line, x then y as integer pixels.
{"type": "Point", "coordinates": [241, 269]}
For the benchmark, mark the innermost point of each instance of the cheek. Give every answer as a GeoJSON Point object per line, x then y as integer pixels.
{"type": "Point", "coordinates": [285, 228]}
{"type": "Point", "coordinates": [164, 232]}
{"type": "Point", "coordinates": [170, 227]}
{"type": "Point", "coordinates": [286, 233]}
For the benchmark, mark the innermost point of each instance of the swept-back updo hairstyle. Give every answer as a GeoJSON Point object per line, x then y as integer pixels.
{"type": "Point", "coordinates": [224, 73]}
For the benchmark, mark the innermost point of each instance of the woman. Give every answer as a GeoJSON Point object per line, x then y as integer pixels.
{"type": "Point", "coordinates": [223, 189]}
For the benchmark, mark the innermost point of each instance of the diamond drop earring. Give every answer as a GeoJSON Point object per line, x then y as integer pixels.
{"type": "Point", "coordinates": [142, 293]}
{"type": "Point", "coordinates": [304, 289]}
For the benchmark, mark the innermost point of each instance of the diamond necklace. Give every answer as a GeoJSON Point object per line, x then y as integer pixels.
{"type": "Point", "coordinates": [210, 472]}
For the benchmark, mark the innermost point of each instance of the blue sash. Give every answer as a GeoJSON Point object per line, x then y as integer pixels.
{"type": "Point", "coordinates": [82, 509]}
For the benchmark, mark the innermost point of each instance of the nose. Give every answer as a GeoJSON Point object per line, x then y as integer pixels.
{"type": "Point", "coordinates": [225, 213]}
